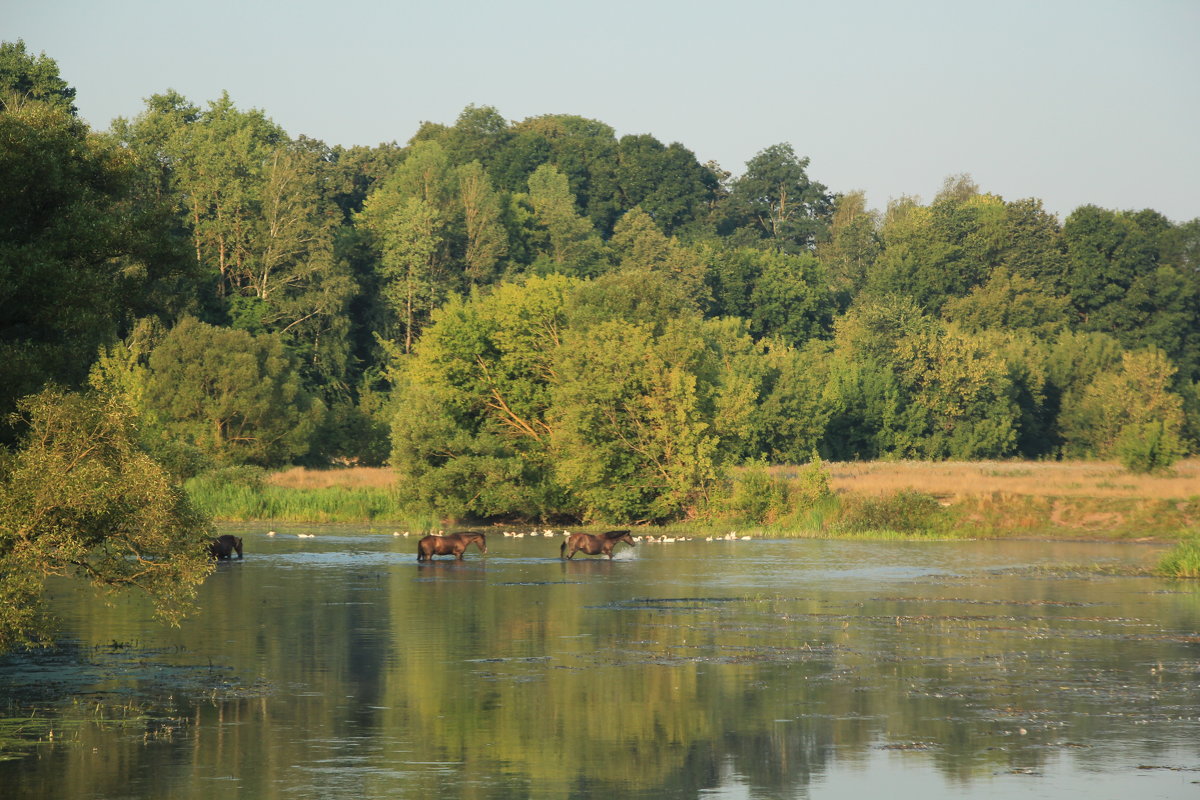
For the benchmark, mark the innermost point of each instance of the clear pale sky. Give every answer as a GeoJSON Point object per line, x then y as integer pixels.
{"type": "Point", "coordinates": [1071, 101]}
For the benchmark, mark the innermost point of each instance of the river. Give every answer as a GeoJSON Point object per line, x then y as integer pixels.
{"type": "Point", "coordinates": [337, 666]}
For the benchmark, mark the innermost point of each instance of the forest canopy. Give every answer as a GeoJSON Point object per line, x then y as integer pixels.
{"type": "Point", "coordinates": [541, 318]}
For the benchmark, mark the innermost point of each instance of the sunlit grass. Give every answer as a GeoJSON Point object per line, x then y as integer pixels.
{"type": "Point", "coordinates": [350, 478]}
{"type": "Point", "coordinates": [1182, 561]}
{"type": "Point", "coordinates": [954, 479]}
{"type": "Point", "coordinates": [271, 502]}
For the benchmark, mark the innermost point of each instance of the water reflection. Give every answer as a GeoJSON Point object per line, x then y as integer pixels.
{"type": "Point", "coordinates": [341, 667]}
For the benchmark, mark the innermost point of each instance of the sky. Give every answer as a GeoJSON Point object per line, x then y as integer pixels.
{"type": "Point", "coordinates": [1070, 101]}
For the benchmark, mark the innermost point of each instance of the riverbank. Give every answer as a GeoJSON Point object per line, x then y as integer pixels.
{"type": "Point", "coordinates": [1052, 500]}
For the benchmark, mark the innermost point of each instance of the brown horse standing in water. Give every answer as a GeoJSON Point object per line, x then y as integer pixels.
{"type": "Point", "coordinates": [453, 545]}
{"type": "Point", "coordinates": [224, 546]}
{"type": "Point", "coordinates": [594, 545]}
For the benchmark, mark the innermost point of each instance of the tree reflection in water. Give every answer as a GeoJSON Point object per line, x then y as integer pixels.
{"type": "Point", "coordinates": [727, 669]}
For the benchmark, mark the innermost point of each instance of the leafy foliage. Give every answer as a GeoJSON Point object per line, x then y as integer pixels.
{"type": "Point", "coordinates": [759, 496]}
{"type": "Point", "coordinates": [1148, 446]}
{"type": "Point", "coordinates": [25, 77]}
{"type": "Point", "coordinates": [1120, 404]}
{"type": "Point", "coordinates": [905, 511]}
{"type": "Point", "coordinates": [82, 498]}
{"type": "Point", "coordinates": [75, 265]}
{"type": "Point", "coordinates": [235, 396]}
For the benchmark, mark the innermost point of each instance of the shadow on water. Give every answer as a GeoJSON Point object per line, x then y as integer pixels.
{"type": "Point", "coordinates": [346, 668]}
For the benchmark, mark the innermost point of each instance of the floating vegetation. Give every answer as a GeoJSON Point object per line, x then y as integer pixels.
{"type": "Point", "coordinates": [51, 695]}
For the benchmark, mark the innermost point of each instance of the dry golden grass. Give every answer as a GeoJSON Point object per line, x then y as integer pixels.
{"type": "Point", "coordinates": [947, 479]}
{"type": "Point", "coordinates": [953, 480]}
{"type": "Point", "coordinates": [350, 477]}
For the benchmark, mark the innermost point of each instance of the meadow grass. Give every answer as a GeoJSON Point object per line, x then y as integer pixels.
{"type": "Point", "coordinates": [1183, 560]}
{"type": "Point", "coordinates": [236, 502]}
{"type": "Point", "coordinates": [349, 478]}
{"type": "Point", "coordinates": [951, 480]}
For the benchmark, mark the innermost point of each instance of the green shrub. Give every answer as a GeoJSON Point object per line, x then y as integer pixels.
{"type": "Point", "coordinates": [906, 511]}
{"type": "Point", "coordinates": [246, 477]}
{"type": "Point", "coordinates": [1183, 561]}
{"type": "Point", "coordinates": [759, 496]}
{"type": "Point", "coordinates": [1148, 447]}
{"type": "Point", "coordinates": [182, 459]}
{"type": "Point", "coordinates": [812, 483]}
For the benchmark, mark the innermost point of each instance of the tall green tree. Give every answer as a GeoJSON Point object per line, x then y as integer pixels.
{"type": "Point", "coordinates": [1120, 282]}
{"type": "Point", "coordinates": [470, 430]}
{"type": "Point", "coordinates": [665, 181]}
{"type": "Point", "coordinates": [407, 235]}
{"type": "Point", "coordinates": [1033, 244]}
{"type": "Point", "coordinates": [775, 201]}
{"type": "Point", "coordinates": [943, 250]}
{"type": "Point", "coordinates": [82, 250]}
{"type": "Point", "coordinates": [634, 438]}
{"type": "Point", "coordinates": [479, 134]}
{"type": "Point", "coordinates": [261, 215]}
{"type": "Point", "coordinates": [235, 396]}
{"type": "Point", "coordinates": [25, 77]}
{"type": "Point", "coordinates": [487, 238]}
{"type": "Point", "coordinates": [572, 245]}
{"type": "Point", "coordinates": [1121, 400]}
{"type": "Point", "coordinates": [849, 253]}
{"type": "Point", "coordinates": [583, 150]}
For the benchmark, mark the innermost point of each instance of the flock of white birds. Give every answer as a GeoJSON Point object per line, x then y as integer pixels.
{"type": "Point", "coordinates": [731, 536]}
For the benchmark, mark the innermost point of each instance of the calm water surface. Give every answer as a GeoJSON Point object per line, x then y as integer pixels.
{"type": "Point", "coordinates": [339, 667]}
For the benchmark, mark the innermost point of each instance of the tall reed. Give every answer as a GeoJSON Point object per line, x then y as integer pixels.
{"type": "Point", "coordinates": [241, 501]}
{"type": "Point", "coordinates": [1183, 560]}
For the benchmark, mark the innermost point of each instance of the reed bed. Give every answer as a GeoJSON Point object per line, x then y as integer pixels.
{"type": "Point", "coordinates": [271, 502]}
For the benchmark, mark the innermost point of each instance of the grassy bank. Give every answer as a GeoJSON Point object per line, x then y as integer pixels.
{"type": "Point", "coordinates": [300, 495]}
{"type": "Point", "coordinates": [1056, 500]}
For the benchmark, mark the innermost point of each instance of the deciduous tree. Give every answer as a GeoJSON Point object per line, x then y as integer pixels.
{"type": "Point", "coordinates": [236, 396]}
{"type": "Point", "coordinates": [80, 498]}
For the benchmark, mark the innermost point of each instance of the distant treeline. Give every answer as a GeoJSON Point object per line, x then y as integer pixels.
{"type": "Point", "coordinates": [539, 318]}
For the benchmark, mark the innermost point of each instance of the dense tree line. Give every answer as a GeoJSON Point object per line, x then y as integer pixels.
{"type": "Point", "coordinates": [543, 318]}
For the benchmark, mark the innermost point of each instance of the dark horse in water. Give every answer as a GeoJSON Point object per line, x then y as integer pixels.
{"type": "Point", "coordinates": [453, 545]}
{"type": "Point", "coordinates": [594, 545]}
{"type": "Point", "coordinates": [224, 546]}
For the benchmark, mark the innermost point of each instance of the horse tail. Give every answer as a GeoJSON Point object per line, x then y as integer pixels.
{"type": "Point", "coordinates": [562, 549]}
